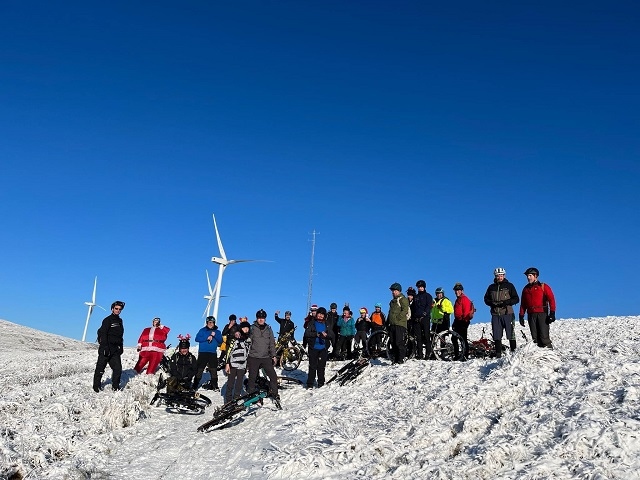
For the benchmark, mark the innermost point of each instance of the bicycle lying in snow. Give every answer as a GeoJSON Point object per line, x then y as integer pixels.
{"type": "Point", "coordinates": [224, 414]}
{"type": "Point", "coordinates": [181, 400]}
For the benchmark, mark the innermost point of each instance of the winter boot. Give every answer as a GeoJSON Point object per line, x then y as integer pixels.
{"type": "Point", "coordinates": [498, 348]}
{"type": "Point", "coordinates": [512, 345]}
{"type": "Point", "coordinates": [195, 384]}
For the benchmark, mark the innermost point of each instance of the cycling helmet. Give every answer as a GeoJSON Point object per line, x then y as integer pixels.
{"type": "Point", "coordinates": [211, 318]}
{"type": "Point", "coordinates": [532, 271]}
{"type": "Point", "coordinates": [439, 290]}
{"type": "Point", "coordinates": [378, 305]}
{"type": "Point", "coordinates": [232, 317]}
{"type": "Point", "coordinates": [411, 291]}
{"type": "Point", "coordinates": [421, 283]}
{"type": "Point", "coordinates": [287, 313]}
{"type": "Point", "coordinates": [364, 310]}
{"type": "Point", "coordinates": [499, 271]}
{"type": "Point", "coordinates": [458, 286]}
{"type": "Point", "coordinates": [333, 305]}
{"type": "Point", "coordinates": [261, 314]}
{"type": "Point", "coordinates": [117, 303]}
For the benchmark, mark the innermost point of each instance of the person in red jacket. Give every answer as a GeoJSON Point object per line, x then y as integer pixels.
{"type": "Point", "coordinates": [462, 313]}
{"type": "Point", "coordinates": [539, 303]}
{"type": "Point", "coordinates": [151, 346]}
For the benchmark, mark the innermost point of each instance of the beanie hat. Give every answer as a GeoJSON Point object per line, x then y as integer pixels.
{"type": "Point", "coordinates": [395, 286]}
{"type": "Point", "coordinates": [245, 324]}
{"type": "Point", "coordinates": [334, 305]}
{"type": "Point", "coordinates": [411, 291]}
{"type": "Point", "coordinates": [321, 310]}
{"type": "Point", "coordinates": [314, 307]}
{"type": "Point", "coordinates": [232, 317]}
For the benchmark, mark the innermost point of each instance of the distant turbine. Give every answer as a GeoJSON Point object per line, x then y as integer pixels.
{"type": "Point", "coordinates": [222, 264]}
{"type": "Point", "coordinates": [210, 297]}
{"type": "Point", "coordinates": [91, 304]}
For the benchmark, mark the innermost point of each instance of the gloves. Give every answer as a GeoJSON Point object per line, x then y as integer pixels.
{"type": "Point", "coordinates": [521, 318]}
{"type": "Point", "coordinates": [498, 304]}
{"type": "Point", "coordinates": [551, 317]}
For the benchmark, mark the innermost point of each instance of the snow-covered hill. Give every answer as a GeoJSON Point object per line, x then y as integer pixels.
{"type": "Point", "coordinates": [568, 413]}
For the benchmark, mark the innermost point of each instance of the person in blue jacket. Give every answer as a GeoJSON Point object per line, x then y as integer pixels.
{"type": "Point", "coordinates": [209, 339]}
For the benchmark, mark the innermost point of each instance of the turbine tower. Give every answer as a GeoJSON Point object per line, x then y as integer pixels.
{"type": "Point", "coordinates": [210, 297]}
{"type": "Point", "coordinates": [223, 263]}
{"type": "Point", "coordinates": [91, 304]}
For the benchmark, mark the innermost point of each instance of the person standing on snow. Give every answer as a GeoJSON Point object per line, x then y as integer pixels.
{"type": "Point", "coordinates": [236, 360]}
{"type": "Point", "coordinates": [262, 354]}
{"type": "Point", "coordinates": [209, 339]}
{"type": "Point", "coordinates": [501, 296]}
{"type": "Point", "coordinates": [422, 304]}
{"type": "Point", "coordinates": [318, 336]}
{"type": "Point", "coordinates": [397, 318]}
{"type": "Point", "coordinates": [151, 346]}
{"type": "Point", "coordinates": [462, 313]}
{"type": "Point", "coordinates": [539, 303]}
{"type": "Point", "coordinates": [110, 341]}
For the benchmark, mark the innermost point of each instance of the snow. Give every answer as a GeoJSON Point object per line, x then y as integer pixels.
{"type": "Point", "coordinates": [571, 412]}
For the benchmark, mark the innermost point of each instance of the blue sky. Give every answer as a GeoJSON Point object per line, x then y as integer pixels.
{"type": "Point", "coordinates": [421, 140]}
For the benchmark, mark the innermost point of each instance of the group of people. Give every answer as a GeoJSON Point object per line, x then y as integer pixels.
{"type": "Point", "coordinates": [251, 347]}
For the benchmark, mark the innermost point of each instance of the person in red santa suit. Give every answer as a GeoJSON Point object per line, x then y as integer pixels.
{"type": "Point", "coordinates": [151, 346]}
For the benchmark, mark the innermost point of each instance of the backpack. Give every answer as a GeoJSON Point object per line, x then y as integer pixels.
{"type": "Point", "coordinates": [473, 309]}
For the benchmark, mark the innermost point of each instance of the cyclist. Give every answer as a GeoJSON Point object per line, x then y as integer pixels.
{"type": "Point", "coordinates": [262, 354]}
{"type": "Point", "coordinates": [331, 318]}
{"type": "Point", "coordinates": [378, 322]}
{"type": "Point", "coordinates": [318, 335]}
{"type": "Point", "coordinates": [413, 324]}
{"type": "Point", "coordinates": [462, 312]}
{"type": "Point", "coordinates": [182, 367]}
{"type": "Point", "coordinates": [347, 327]}
{"type": "Point", "coordinates": [422, 304]}
{"type": "Point", "coordinates": [236, 361]}
{"type": "Point", "coordinates": [397, 317]}
{"type": "Point", "coordinates": [363, 325]}
{"type": "Point", "coordinates": [209, 339]}
{"type": "Point", "coordinates": [151, 346]}
{"type": "Point", "coordinates": [537, 300]}
{"type": "Point", "coordinates": [286, 324]}
{"type": "Point", "coordinates": [501, 296]}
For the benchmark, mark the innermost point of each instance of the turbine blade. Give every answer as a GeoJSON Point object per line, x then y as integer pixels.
{"type": "Point", "coordinates": [215, 225]}
{"type": "Point", "coordinates": [241, 261]}
{"type": "Point", "coordinates": [208, 283]}
{"type": "Point", "coordinates": [95, 284]}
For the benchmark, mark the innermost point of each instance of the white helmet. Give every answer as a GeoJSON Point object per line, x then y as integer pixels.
{"type": "Point", "coordinates": [499, 271]}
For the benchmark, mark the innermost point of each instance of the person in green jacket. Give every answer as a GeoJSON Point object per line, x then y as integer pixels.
{"type": "Point", "coordinates": [441, 312]}
{"type": "Point", "coordinates": [398, 315]}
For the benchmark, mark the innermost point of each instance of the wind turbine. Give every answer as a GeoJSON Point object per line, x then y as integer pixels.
{"type": "Point", "coordinates": [210, 297]}
{"type": "Point", "coordinates": [91, 304]}
{"type": "Point", "coordinates": [223, 263]}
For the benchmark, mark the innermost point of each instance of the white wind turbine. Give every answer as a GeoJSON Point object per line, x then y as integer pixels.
{"type": "Point", "coordinates": [222, 262]}
{"type": "Point", "coordinates": [210, 297]}
{"type": "Point", "coordinates": [91, 304]}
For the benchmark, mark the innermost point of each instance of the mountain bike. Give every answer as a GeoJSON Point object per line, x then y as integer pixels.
{"type": "Point", "coordinates": [379, 345]}
{"type": "Point", "coordinates": [181, 401]}
{"type": "Point", "coordinates": [224, 414]}
{"type": "Point", "coordinates": [350, 371]}
{"type": "Point", "coordinates": [289, 353]}
{"type": "Point", "coordinates": [448, 346]}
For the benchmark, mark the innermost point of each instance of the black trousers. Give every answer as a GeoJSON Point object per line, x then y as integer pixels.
{"type": "Point", "coordinates": [207, 359]}
{"type": "Point", "coordinates": [398, 335]}
{"type": "Point", "coordinates": [254, 365]}
{"type": "Point", "coordinates": [317, 366]}
{"type": "Point", "coordinates": [115, 363]}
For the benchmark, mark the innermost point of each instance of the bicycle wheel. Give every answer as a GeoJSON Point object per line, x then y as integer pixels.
{"type": "Point", "coordinates": [222, 415]}
{"type": "Point", "coordinates": [379, 344]}
{"type": "Point", "coordinates": [444, 346]}
{"type": "Point", "coordinates": [286, 382]}
{"type": "Point", "coordinates": [291, 358]}
{"type": "Point", "coordinates": [411, 347]}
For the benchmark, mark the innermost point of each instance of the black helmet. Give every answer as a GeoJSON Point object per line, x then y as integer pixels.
{"type": "Point", "coordinates": [287, 313]}
{"type": "Point", "coordinates": [117, 303]}
{"type": "Point", "coordinates": [532, 271]}
{"type": "Point", "coordinates": [261, 314]}
{"type": "Point", "coordinates": [211, 318]}
{"type": "Point", "coordinates": [458, 286]}
{"type": "Point", "coordinates": [439, 290]}
{"type": "Point", "coordinates": [232, 317]}
{"type": "Point", "coordinates": [421, 283]}
{"type": "Point", "coordinates": [411, 291]}
{"type": "Point", "coordinates": [333, 305]}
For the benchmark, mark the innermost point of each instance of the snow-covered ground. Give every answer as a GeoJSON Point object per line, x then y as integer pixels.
{"type": "Point", "coordinates": [573, 412]}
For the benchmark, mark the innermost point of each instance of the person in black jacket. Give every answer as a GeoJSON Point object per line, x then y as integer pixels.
{"type": "Point", "coordinates": [501, 296]}
{"type": "Point", "coordinates": [318, 335]}
{"type": "Point", "coordinates": [331, 318]}
{"type": "Point", "coordinates": [183, 367]}
{"type": "Point", "coordinates": [286, 324]}
{"type": "Point", "coordinates": [110, 347]}
{"type": "Point", "coordinates": [422, 309]}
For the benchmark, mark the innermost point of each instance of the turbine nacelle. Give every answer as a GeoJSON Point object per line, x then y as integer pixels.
{"type": "Point", "coordinates": [221, 261]}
